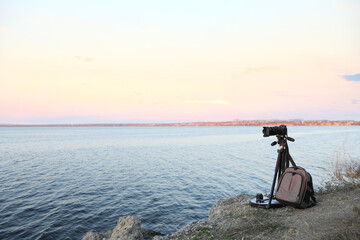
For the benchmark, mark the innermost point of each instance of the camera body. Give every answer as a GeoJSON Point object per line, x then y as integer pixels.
{"type": "Point", "coordinates": [276, 130]}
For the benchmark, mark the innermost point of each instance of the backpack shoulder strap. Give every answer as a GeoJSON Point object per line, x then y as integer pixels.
{"type": "Point", "coordinates": [291, 160]}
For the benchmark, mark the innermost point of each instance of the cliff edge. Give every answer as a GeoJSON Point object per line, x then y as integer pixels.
{"type": "Point", "coordinates": [336, 216]}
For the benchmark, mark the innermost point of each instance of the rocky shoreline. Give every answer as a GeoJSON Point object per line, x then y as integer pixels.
{"type": "Point", "coordinates": [336, 216]}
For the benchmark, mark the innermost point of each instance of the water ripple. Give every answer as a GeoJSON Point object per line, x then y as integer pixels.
{"type": "Point", "coordinates": [59, 183]}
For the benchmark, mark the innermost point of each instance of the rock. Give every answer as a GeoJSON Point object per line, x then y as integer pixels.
{"type": "Point", "coordinates": [187, 230]}
{"type": "Point", "coordinates": [166, 237]}
{"type": "Point", "coordinates": [127, 228]}
{"type": "Point", "coordinates": [150, 234]}
{"type": "Point", "coordinates": [107, 235]}
{"type": "Point", "coordinates": [228, 206]}
{"type": "Point", "coordinates": [93, 236]}
{"type": "Point", "coordinates": [191, 227]}
{"type": "Point", "coordinates": [220, 211]}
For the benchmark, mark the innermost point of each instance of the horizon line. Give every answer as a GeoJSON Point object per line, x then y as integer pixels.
{"type": "Point", "coordinates": [293, 122]}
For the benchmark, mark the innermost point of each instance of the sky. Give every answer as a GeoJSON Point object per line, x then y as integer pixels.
{"type": "Point", "coordinates": [178, 61]}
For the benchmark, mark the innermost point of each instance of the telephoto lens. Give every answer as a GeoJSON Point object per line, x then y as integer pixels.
{"type": "Point", "coordinates": [270, 131]}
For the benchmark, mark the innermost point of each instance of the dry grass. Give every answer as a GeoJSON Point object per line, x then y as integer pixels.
{"type": "Point", "coordinates": [346, 169]}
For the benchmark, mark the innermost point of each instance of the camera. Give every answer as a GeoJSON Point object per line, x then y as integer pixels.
{"type": "Point", "coordinates": [276, 130]}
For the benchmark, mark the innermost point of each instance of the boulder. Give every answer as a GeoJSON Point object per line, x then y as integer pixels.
{"type": "Point", "coordinates": [92, 236]}
{"type": "Point", "coordinates": [127, 228]}
{"type": "Point", "coordinates": [228, 206]}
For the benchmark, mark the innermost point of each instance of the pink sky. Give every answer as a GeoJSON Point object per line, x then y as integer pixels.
{"type": "Point", "coordinates": [62, 62]}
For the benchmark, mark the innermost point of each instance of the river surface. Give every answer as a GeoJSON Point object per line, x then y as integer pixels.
{"type": "Point", "coordinates": [59, 183]}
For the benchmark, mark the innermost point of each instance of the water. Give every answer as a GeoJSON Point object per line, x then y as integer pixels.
{"type": "Point", "coordinates": [59, 183]}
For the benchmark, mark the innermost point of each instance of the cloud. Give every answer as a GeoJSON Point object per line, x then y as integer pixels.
{"type": "Point", "coordinates": [252, 70]}
{"type": "Point", "coordinates": [260, 69]}
{"type": "Point", "coordinates": [85, 59]}
{"type": "Point", "coordinates": [286, 95]}
{"type": "Point", "coordinates": [349, 7]}
{"type": "Point", "coordinates": [223, 102]}
{"type": "Point", "coordinates": [355, 101]}
{"type": "Point", "coordinates": [355, 77]}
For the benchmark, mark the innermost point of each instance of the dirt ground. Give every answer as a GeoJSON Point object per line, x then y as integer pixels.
{"type": "Point", "coordinates": [336, 216]}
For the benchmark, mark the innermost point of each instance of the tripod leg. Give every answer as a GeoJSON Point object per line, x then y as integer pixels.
{"type": "Point", "coordinates": [283, 161]}
{"type": "Point", "coordinates": [278, 162]}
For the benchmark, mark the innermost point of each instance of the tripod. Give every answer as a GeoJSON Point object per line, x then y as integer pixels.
{"type": "Point", "coordinates": [282, 162]}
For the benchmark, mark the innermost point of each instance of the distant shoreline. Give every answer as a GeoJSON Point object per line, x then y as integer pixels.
{"type": "Point", "coordinates": [204, 124]}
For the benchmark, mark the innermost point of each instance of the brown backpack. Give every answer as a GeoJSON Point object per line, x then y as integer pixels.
{"type": "Point", "coordinates": [295, 188]}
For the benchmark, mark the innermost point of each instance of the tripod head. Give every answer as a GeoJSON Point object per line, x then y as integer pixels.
{"type": "Point", "coordinates": [281, 138]}
{"type": "Point", "coordinates": [284, 155]}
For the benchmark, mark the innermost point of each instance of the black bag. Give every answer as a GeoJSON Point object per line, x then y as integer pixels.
{"type": "Point", "coordinates": [295, 188]}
